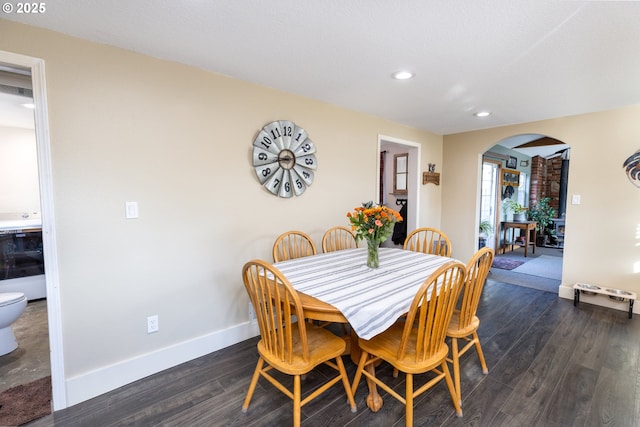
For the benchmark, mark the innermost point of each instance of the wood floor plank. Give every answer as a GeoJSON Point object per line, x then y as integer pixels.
{"type": "Point", "coordinates": [549, 364]}
{"type": "Point", "coordinates": [532, 394]}
{"type": "Point", "coordinates": [498, 339]}
{"type": "Point", "coordinates": [611, 402]}
{"type": "Point", "coordinates": [570, 402]}
{"type": "Point", "coordinates": [482, 405]}
{"type": "Point", "coordinates": [527, 346]}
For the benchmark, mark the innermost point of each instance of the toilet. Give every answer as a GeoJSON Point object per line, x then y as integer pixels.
{"type": "Point", "coordinates": [12, 304]}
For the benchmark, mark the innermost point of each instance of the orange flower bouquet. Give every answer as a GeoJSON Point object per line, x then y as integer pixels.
{"type": "Point", "coordinates": [373, 223]}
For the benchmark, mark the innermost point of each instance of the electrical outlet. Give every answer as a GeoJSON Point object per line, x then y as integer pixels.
{"type": "Point", "coordinates": [152, 324]}
{"type": "Point", "coordinates": [252, 314]}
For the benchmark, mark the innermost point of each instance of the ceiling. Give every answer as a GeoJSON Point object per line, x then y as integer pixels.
{"type": "Point", "coordinates": [521, 60]}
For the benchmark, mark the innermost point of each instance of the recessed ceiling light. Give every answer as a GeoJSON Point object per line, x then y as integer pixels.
{"type": "Point", "coordinates": [402, 75]}
{"type": "Point", "coordinates": [482, 114]}
{"type": "Point", "coordinates": [29, 106]}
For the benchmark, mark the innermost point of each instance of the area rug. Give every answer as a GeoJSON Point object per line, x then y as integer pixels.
{"type": "Point", "coordinates": [26, 402]}
{"type": "Point", "coordinates": [542, 266]}
{"type": "Point", "coordinates": [506, 263]}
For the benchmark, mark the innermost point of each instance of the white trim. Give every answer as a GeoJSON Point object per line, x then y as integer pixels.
{"type": "Point", "coordinates": [94, 383]}
{"type": "Point", "coordinates": [43, 145]}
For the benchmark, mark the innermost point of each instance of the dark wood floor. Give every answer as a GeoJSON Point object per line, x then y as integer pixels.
{"type": "Point", "coordinates": [550, 364]}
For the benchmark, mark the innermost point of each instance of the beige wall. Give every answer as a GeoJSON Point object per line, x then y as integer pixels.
{"type": "Point", "coordinates": [176, 139]}
{"type": "Point", "coordinates": [602, 245]}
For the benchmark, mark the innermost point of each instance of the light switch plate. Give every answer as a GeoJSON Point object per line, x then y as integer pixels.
{"type": "Point", "coordinates": [575, 199]}
{"type": "Point", "coordinates": [131, 210]}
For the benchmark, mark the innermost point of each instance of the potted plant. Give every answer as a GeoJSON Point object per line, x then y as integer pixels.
{"type": "Point", "coordinates": [542, 213]}
{"type": "Point", "coordinates": [485, 229]}
{"type": "Point", "coordinates": [519, 211]}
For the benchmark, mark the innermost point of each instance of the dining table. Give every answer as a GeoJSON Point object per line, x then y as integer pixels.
{"type": "Point", "coordinates": [339, 287]}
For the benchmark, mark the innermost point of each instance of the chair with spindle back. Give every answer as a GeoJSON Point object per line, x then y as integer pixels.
{"type": "Point", "coordinates": [416, 344]}
{"type": "Point", "coordinates": [338, 238]}
{"type": "Point", "coordinates": [291, 245]}
{"type": "Point", "coordinates": [464, 322]}
{"type": "Point", "coordinates": [287, 345]}
{"type": "Point", "coordinates": [429, 241]}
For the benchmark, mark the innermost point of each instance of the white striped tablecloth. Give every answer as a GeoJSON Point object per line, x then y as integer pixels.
{"type": "Point", "coordinates": [370, 299]}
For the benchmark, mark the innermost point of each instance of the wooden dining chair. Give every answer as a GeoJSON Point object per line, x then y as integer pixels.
{"type": "Point", "coordinates": [291, 245]}
{"type": "Point", "coordinates": [429, 241]}
{"type": "Point", "coordinates": [464, 322]}
{"type": "Point", "coordinates": [338, 238]}
{"type": "Point", "coordinates": [416, 344]}
{"type": "Point", "coordinates": [286, 345]}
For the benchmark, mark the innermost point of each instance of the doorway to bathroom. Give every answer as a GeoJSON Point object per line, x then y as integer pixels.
{"type": "Point", "coordinates": [22, 266]}
{"type": "Point", "coordinates": [33, 68]}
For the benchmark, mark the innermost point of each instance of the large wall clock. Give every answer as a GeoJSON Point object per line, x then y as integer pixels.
{"type": "Point", "coordinates": [284, 158]}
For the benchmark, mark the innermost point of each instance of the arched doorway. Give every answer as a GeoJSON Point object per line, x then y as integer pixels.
{"type": "Point", "coordinates": [524, 188]}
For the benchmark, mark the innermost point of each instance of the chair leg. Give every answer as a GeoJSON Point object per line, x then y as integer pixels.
{"type": "Point", "coordinates": [252, 385]}
{"type": "Point", "coordinates": [480, 353]}
{"type": "Point", "coordinates": [358, 375]}
{"type": "Point", "coordinates": [408, 396]}
{"type": "Point", "coordinates": [345, 382]}
{"type": "Point", "coordinates": [296, 401]}
{"type": "Point", "coordinates": [455, 357]}
{"type": "Point", "coordinates": [452, 391]}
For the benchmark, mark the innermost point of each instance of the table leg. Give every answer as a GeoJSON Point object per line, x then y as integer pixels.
{"type": "Point", "coordinates": [535, 239]}
{"type": "Point", "coordinates": [576, 297]}
{"type": "Point", "coordinates": [355, 351]}
{"type": "Point", "coordinates": [630, 308]}
{"type": "Point", "coordinates": [526, 241]}
{"type": "Point", "coordinates": [374, 401]}
{"type": "Point", "coordinates": [513, 237]}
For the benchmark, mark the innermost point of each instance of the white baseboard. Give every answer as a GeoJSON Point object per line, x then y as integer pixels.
{"type": "Point", "coordinates": [91, 384]}
{"type": "Point", "coordinates": [601, 300]}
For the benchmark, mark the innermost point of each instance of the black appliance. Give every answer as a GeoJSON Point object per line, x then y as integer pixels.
{"type": "Point", "coordinates": [21, 253]}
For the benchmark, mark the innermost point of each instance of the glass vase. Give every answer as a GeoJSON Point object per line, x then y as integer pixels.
{"type": "Point", "coordinates": [372, 254]}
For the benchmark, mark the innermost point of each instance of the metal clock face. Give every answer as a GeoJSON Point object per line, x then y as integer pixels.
{"type": "Point", "coordinates": [284, 158]}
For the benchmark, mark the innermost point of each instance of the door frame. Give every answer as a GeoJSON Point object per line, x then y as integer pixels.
{"type": "Point", "coordinates": [413, 210]}
{"type": "Point", "coordinates": [497, 205]}
{"type": "Point", "coordinates": [43, 149]}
